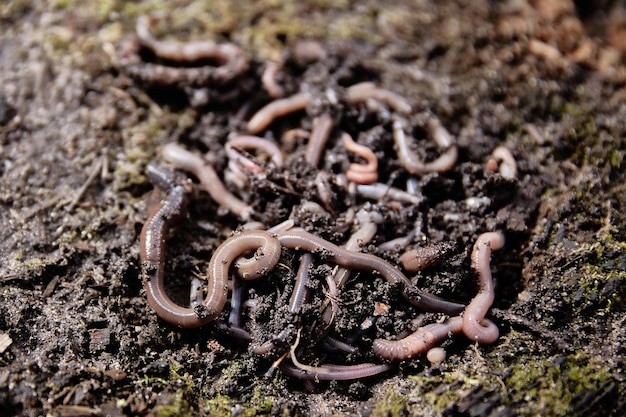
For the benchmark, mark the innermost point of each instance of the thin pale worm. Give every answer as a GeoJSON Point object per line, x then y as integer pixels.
{"type": "Point", "coordinates": [277, 108]}
{"type": "Point", "coordinates": [207, 176]}
{"type": "Point", "coordinates": [301, 240]}
{"type": "Point", "coordinates": [412, 162]}
{"type": "Point", "coordinates": [418, 342]}
{"type": "Point", "coordinates": [268, 78]}
{"type": "Point", "coordinates": [322, 125]}
{"type": "Point", "coordinates": [328, 372]}
{"type": "Point", "coordinates": [475, 326]}
{"type": "Point", "coordinates": [378, 191]}
{"type": "Point", "coordinates": [364, 91]}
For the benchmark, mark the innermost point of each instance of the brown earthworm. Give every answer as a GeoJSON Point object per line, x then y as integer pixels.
{"type": "Point", "coordinates": [152, 243]}
{"type": "Point", "coordinates": [412, 162]}
{"type": "Point", "coordinates": [475, 325]}
{"type": "Point", "coordinates": [361, 173]}
{"type": "Point", "coordinates": [207, 176]}
{"type": "Point", "coordinates": [420, 258]}
{"type": "Point", "coordinates": [300, 291]}
{"type": "Point", "coordinates": [418, 342]}
{"type": "Point", "coordinates": [277, 108]}
{"type": "Point", "coordinates": [364, 91]}
{"type": "Point", "coordinates": [230, 58]}
{"type": "Point", "coordinates": [264, 259]}
{"type": "Point", "coordinates": [301, 240]}
{"type": "Point", "coordinates": [322, 125]}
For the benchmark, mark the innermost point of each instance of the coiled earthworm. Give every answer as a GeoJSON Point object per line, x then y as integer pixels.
{"type": "Point", "coordinates": [207, 176]}
{"type": "Point", "coordinates": [322, 125]}
{"type": "Point", "coordinates": [265, 256]}
{"type": "Point", "coordinates": [268, 78]}
{"type": "Point", "coordinates": [475, 325]}
{"type": "Point", "coordinates": [420, 341]}
{"type": "Point", "coordinates": [361, 173]}
{"type": "Point", "coordinates": [364, 91]}
{"type": "Point", "coordinates": [238, 160]}
{"type": "Point", "coordinates": [412, 162]}
{"type": "Point", "coordinates": [301, 240]}
{"type": "Point", "coordinates": [507, 165]}
{"type": "Point", "coordinates": [277, 108]}
{"type": "Point", "coordinates": [152, 260]}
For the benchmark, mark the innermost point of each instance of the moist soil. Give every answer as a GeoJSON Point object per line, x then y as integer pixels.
{"type": "Point", "coordinates": [77, 128]}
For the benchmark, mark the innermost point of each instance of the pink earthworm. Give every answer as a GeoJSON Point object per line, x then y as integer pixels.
{"type": "Point", "coordinates": [275, 109]}
{"type": "Point", "coordinates": [207, 176]}
{"type": "Point", "coordinates": [420, 258]}
{"type": "Point", "coordinates": [301, 240]}
{"type": "Point", "coordinates": [152, 254]}
{"type": "Point", "coordinates": [412, 162]}
{"type": "Point", "coordinates": [300, 291]}
{"type": "Point", "coordinates": [418, 342]}
{"type": "Point", "coordinates": [322, 126]}
{"type": "Point", "coordinates": [361, 173]}
{"type": "Point", "coordinates": [268, 78]}
{"type": "Point", "coordinates": [364, 91]}
{"type": "Point", "coordinates": [475, 326]}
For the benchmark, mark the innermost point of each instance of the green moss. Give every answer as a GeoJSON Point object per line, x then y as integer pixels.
{"type": "Point", "coordinates": [547, 387]}
{"type": "Point", "coordinates": [392, 404]}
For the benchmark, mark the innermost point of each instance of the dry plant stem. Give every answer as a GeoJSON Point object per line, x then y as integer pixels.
{"type": "Point", "coordinates": [277, 108]}
{"type": "Point", "coordinates": [412, 162]}
{"type": "Point", "coordinates": [475, 326]}
{"type": "Point", "coordinates": [419, 342]}
{"type": "Point", "coordinates": [361, 173]}
{"type": "Point", "coordinates": [207, 176]}
{"type": "Point", "coordinates": [361, 92]}
{"type": "Point", "coordinates": [322, 125]}
{"type": "Point", "coordinates": [301, 240]}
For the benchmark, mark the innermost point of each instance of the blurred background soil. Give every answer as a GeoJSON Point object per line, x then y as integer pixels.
{"type": "Point", "coordinates": [545, 78]}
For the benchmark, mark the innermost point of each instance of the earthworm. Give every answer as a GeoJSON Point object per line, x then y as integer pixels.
{"type": "Point", "coordinates": [301, 240]}
{"type": "Point", "coordinates": [328, 372]}
{"type": "Point", "coordinates": [507, 166]}
{"type": "Point", "coordinates": [361, 173]}
{"type": "Point", "coordinates": [236, 302]}
{"type": "Point", "coordinates": [420, 341]}
{"type": "Point", "coordinates": [266, 255]}
{"type": "Point", "coordinates": [207, 176]}
{"type": "Point", "coordinates": [277, 108]}
{"type": "Point", "coordinates": [300, 290]}
{"type": "Point", "coordinates": [268, 78]}
{"type": "Point", "coordinates": [364, 91]}
{"type": "Point", "coordinates": [230, 59]}
{"type": "Point", "coordinates": [412, 162]}
{"type": "Point", "coordinates": [420, 258]}
{"type": "Point", "coordinates": [334, 344]}
{"type": "Point", "coordinates": [322, 125]}
{"type": "Point", "coordinates": [237, 160]}
{"type": "Point", "coordinates": [475, 325]}
{"type": "Point", "coordinates": [378, 191]}
{"type": "Point", "coordinates": [436, 355]}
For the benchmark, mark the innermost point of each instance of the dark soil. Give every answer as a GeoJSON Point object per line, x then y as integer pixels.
{"type": "Point", "coordinates": [545, 79]}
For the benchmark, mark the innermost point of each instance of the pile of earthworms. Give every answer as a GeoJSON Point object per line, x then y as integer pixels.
{"type": "Point", "coordinates": [255, 250]}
